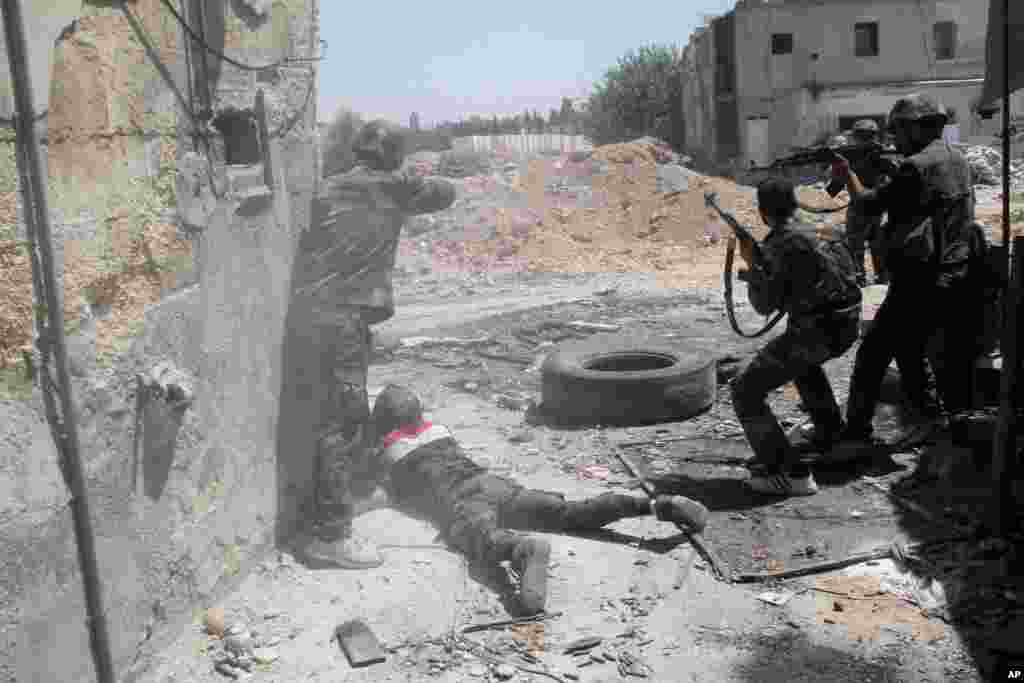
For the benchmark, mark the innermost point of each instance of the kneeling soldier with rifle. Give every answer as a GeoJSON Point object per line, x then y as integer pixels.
{"type": "Point", "coordinates": [814, 281]}
{"type": "Point", "coordinates": [426, 473]}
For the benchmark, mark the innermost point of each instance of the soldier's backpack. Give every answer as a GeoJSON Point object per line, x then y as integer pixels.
{"type": "Point", "coordinates": [839, 275]}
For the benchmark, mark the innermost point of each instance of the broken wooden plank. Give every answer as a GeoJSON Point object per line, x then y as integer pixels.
{"type": "Point", "coordinates": [511, 622]}
{"type": "Point", "coordinates": [584, 326]}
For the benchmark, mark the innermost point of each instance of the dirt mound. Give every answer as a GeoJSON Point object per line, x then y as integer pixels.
{"type": "Point", "coordinates": [626, 225]}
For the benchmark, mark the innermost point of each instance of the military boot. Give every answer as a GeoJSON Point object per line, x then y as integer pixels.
{"type": "Point", "coordinates": [339, 546]}
{"type": "Point", "coordinates": [530, 560]}
{"type": "Point", "coordinates": [681, 510]}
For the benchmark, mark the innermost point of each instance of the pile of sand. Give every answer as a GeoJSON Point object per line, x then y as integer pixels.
{"type": "Point", "coordinates": [635, 229]}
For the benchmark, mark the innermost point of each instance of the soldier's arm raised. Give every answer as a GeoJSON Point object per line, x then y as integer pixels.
{"type": "Point", "coordinates": [427, 195]}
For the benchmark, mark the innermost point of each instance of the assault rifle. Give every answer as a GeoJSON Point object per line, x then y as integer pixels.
{"type": "Point", "coordinates": [857, 155]}
{"type": "Point", "coordinates": [743, 235]}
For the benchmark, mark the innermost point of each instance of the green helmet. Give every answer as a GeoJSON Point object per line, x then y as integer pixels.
{"type": "Point", "coordinates": [865, 127]}
{"type": "Point", "coordinates": [917, 107]}
{"type": "Point", "coordinates": [381, 145]}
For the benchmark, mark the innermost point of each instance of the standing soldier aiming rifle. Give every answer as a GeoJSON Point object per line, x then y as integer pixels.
{"type": "Point", "coordinates": [343, 285]}
{"type": "Point", "coordinates": [931, 304]}
{"type": "Point", "coordinates": [864, 227]}
{"type": "Point", "coordinates": [814, 282]}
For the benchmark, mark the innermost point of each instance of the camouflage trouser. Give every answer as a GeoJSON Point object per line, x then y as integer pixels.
{"type": "Point", "coordinates": [863, 229]}
{"type": "Point", "coordinates": [343, 470]}
{"type": "Point", "coordinates": [912, 326]}
{"type": "Point", "coordinates": [796, 356]}
{"type": "Point", "coordinates": [481, 516]}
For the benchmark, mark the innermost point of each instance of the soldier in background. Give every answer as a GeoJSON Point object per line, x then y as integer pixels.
{"type": "Point", "coordinates": [343, 283]}
{"type": "Point", "coordinates": [864, 227]}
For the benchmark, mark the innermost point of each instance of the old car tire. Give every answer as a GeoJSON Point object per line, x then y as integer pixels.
{"type": "Point", "coordinates": [605, 384]}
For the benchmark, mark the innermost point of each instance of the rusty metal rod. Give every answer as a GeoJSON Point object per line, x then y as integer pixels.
{"type": "Point", "coordinates": [720, 568]}
{"type": "Point", "coordinates": [53, 334]}
{"type": "Point", "coordinates": [1004, 454]}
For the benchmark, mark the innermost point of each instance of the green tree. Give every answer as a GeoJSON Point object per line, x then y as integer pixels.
{"type": "Point", "coordinates": [337, 145]}
{"type": "Point", "coordinates": [636, 97]}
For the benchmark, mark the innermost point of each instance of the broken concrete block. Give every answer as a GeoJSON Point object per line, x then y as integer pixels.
{"type": "Point", "coordinates": [255, 13]}
{"type": "Point", "coordinates": [168, 382]}
{"type": "Point", "coordinates": [247, 186]}
{"type": "Point", "coordinates": [196, 201]}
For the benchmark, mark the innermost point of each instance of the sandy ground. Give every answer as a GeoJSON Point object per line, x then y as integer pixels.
{"type": "Point", "coordinates": [604, 246]}
{"type": "Point", "coordinates": [641, 587]}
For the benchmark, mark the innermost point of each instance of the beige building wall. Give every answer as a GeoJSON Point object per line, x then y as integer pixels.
{"type": "Point", "coordinates": [789, 100]}
{"type": "Point", "coordinates": [698, 95]}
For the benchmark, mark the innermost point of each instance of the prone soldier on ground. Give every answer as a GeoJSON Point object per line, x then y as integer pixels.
{"type": "Point", "coordinates": [425, 472]}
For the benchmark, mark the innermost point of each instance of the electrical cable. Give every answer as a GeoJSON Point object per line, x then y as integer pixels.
{"type": "Point", "coordinates": [143, 35]}
{"type": "Point", "coordinates": [223, 57]}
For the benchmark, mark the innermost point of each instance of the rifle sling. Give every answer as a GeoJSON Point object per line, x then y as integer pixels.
{"type": "Point", "coordinates": [729, 306]}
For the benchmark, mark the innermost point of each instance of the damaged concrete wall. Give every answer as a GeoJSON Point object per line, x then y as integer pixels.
{"type": "Point", "coordinates": [183, 493]}
{"type": "Point", "coordinates": [823, 53]}
{"type": "Point", "coordinates": [698, 97]}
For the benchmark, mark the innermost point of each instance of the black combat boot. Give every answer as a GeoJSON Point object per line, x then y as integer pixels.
{"type": "Point", "coordinates": [530, 560]}
{"type": "Point", "coordinates": [681, 510]}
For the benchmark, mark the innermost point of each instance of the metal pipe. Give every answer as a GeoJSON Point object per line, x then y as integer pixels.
{"type": "Point", "coordinates": [99, 640]}
{"type": "Point", "coordinates": [1006, 125]}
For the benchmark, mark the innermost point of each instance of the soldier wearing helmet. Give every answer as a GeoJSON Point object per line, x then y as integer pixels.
{"type": "Point", "coordinates": [342, 285]}
{"type": "Point", "coordinates": [930, 206]}
{"type": "Point", "coordinates": [862, 227]}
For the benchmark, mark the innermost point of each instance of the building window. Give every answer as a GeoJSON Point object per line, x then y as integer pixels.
{"type": "Point", "coordinates": [945, 39]}
{"type": "Point", "coordinates": [724, 77]}
{"type": "Point", "coordinates": [782, 43]}
{"type": "Point", "coordinates": [866, 39]}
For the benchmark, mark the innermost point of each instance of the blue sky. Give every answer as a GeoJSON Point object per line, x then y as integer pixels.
{"type": "Point", "coordinates": [456, 58]}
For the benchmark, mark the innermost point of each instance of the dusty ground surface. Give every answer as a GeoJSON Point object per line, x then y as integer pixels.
{"type": "Point", "coordinates": [641, 587]}
{"type": "Point", "coordinates": [543, 243]}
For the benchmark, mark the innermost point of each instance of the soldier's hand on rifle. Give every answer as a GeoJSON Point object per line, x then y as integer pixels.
{"type": "Point", "coordinates": [747, 251]}
{"type": "Point", "coordinates": [840, 167]}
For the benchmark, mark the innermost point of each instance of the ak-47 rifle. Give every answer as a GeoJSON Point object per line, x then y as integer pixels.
{"type": "Point", "coordinates": [743, 235]}
{"type": "Point", "coordinates": [857, 155]}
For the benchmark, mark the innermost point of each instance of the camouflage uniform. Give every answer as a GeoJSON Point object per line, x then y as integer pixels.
{"type": "Point", "coordinates": [929, 309]}
{"type": "Point", "coordinates": [824, 320]}
{"type": "Point", "coordinates": [864, 227]}
{"type": "Point", "coordinates": [344, 286]}
{"type": "Point", "coordinates": [479, 513]}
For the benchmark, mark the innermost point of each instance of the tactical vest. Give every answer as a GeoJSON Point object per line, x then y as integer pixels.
{"type": "Point", "coordinates": [928, 237]}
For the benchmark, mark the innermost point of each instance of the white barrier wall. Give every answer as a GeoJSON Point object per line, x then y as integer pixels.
{"type": "Point", "coordinates": [523, 144]}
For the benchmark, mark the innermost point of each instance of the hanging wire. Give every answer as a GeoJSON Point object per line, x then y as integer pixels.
{"type": "Point", "coordinates": [147, 43]}
{"type": "Point", "coordinates": [223, 57]}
